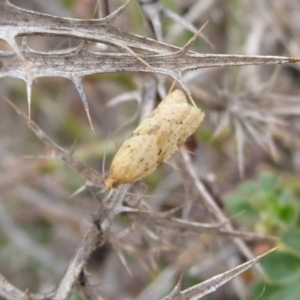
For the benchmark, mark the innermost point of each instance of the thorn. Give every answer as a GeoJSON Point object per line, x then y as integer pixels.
{"type": "Point", "coordinates": [124, 261]}
{"type": "Point", "coordinates": [186, 47]}
{"type": "Point", "coordinates": [90, 119]}
{"type": "Point", "coordinates": [29, 116]}
{"type": "Point", "coordinates": [16, 49]}
{"type": "Point", "coordinates": [104, 158]}
{"type": "Point", "coordinates": [12, 104]}
{"type": "Point", "coordinates": [178, 78]}
{"type": "Point", "coordinates": [175, 293]}
{"type": "Point", "coordinates": [78, 191]}
{"type": "Point", "coordinates": [78, 84]}
{"type": "Point", "coordinates": [172, 211]}
{"type": "Point", "coordinates": [73, 147]}
{"type": "Point", "coordinates": [110, 18]}
{"type": "Point", "coordinates": [259, 257]}
{"type": "Point", "coordinates": [28, 87]}
{"type": "Point", "coordinates": [82, 46]}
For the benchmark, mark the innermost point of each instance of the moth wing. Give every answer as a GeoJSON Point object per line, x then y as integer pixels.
{"type": "Point", "coordinates": [154, 140]}
{"type": "Point", "coordinates": [136, 158]}
{"type": "Point", "coordinates": [192, 122]}
{"type": "Point", "coordinates": [148, 126]}
{"type": "Point", "coordinates": [180, 121]}
{"type": "Point", "coordinates": [163, 111]}
{"type": "Point", "coordinates": [176, 97]}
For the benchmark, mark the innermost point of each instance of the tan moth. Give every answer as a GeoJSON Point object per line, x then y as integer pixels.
{"type": "Point", "coordinates": [154, 140]}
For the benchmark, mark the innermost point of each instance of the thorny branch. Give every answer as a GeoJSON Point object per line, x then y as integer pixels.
{"type": "Point", "coordinates": [91, 241]}
{"type": "Point", "coordinates": [80, 62]}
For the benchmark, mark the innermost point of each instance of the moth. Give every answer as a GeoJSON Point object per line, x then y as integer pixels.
{"type": "Point", "coordinates": [154, 140]}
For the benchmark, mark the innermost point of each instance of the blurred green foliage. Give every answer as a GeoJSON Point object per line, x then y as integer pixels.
{"type": "Point", "coordinates": [76, 296]}
{"type": "Point", "coordinates": [269, 206]}
{"type": "Point", "coordinates": [68, 3]}
{"type": "Point", "coordinates": [40, 230]}
{"type": "Point", "coordinates": [265, 205]}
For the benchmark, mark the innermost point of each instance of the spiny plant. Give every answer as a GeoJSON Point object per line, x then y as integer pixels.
{"type": "Point", "coordinates": [165, 237]}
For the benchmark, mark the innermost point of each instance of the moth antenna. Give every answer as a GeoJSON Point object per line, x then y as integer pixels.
{"type": "Point", "coordinates": [104, 158]}
{"type": "Point", "coordinates": [142, 60]}
{"type": "Point", "coordinates": [144, 195]}
{"type": "Point", "coordinates": [172, 86]}
{"type": "Point", "coordinates": [136, 56]}
{"type": "Point", "coordinates": [114, 190]}
{"type": "Point", "coordinates": [95, 11]}
{"type": "Point", "coordinates": [186, 90]}
{"type": "Point", "coordinates": [192, 101]}
{"type": "Point", "coordinates": [111, 136]}
{"type": "Point", "coordinates": [12, 43]}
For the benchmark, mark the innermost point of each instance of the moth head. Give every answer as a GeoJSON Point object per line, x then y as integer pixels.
{"type": "Point", "coordinates": [110, 183]}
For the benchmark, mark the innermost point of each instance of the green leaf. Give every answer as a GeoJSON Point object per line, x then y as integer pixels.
{"type": "Point", "coordinates": [263, 291]}
{"type": "Point", "coordinates": [281, 267]}
{"type": "Point", "coordinates": [292, 239]}
{"type": "Point", "coordinates": [248, 187]}
{"type": "Point", "coordinates": [286, 213]}
{"type": "Point", "coordinates": [237, 204]}
{"type": "Point", "coordinates": [268, 182]}
{"type": "Point", "coordinates": [75, 296]}
{"type": "Point", "coordinates": [261, 199]}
